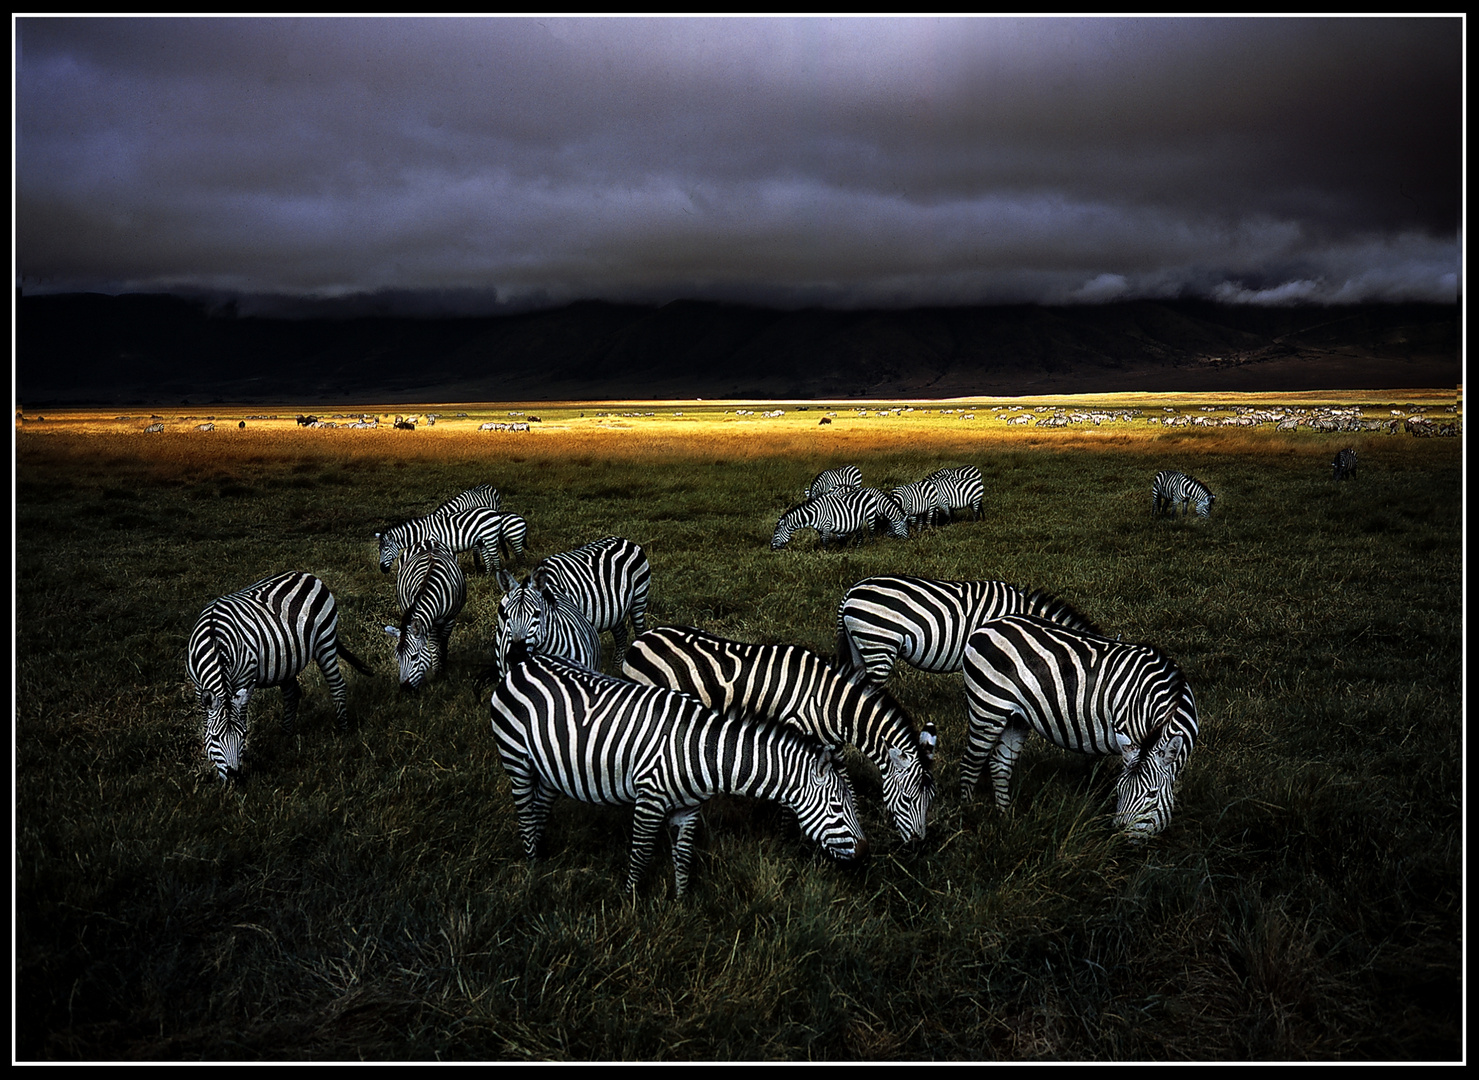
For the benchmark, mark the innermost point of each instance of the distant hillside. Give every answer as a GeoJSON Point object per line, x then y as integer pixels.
{"type": "Point", "coordinates": [105, 350]}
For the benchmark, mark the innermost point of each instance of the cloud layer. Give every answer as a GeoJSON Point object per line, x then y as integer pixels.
{"type": "Point", "coordinates": [812, 161]}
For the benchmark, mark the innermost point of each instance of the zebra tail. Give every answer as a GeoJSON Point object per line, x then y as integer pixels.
{"type": "Point", "coordinates": [358, 664]}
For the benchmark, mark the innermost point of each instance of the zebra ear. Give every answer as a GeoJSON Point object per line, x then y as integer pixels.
{"type": "Point", "coordinates": [1127, 748]}
{"type": "Point", "coordinates": [506, 581]}
{"type": "Point", "coordinates": [1168, 750]}
{"type": "Point", "coordinates": [241, 697]}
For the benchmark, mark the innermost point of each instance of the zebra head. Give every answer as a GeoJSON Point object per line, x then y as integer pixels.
{"type": "Point", "coordinates": [1146, 789]}
{"type": "Point", "coordinates": [909, 788]}
{"type": "Point", "coordinates": [824, 804]}
{"type": "Point", "coordinates": [418, 653]}
{"type": "Point", "coordinates": [225, 728]}
{"type": "Point", "coordinates": [389, 548]}
{"type": "Point", "coordinates": [1204, 506]}
{"type": "Point", "coordinates": [785, 528]}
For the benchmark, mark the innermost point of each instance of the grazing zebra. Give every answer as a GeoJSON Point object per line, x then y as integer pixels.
{"type": "Point", "coordinates": [486, 533]}
{"type": "Point", "coordinates": [482, 495]}
{"type": "Point", "coordinates": [961, 488]}
{"type": "Point", "coordinates": [842, 514]}
{"type": "Point", "coordinates": [564, 729]}
{"type": "Point", "coordinates": [1170, 488]}
{"type": "Point", "coordinates": [789, 683]}
{"type": "Point", "coordinates": [1345, 464]}
{"type": "Point", "coordinates": [838, 479]}
{"type": "Point", "coordinates": [431, 591]}
{"type": "Point", "coordinates": [264, 635]}
{"type": "Point", "coordinates": [608, 579]}
{"type": "Point", "coordinates": [921, 502]}
{"type": "Point", "coordinates": [1084, 693]}
{"type": "Point", "coordinates": [539, 620]}
{"type": "Point", "coordinates": [927, 622]}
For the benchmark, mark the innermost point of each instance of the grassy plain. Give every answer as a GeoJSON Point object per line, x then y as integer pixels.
{"type": "Point", "coordinates": [364, 896]}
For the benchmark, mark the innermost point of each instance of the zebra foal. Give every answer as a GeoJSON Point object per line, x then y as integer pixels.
{"type": "Point", "coordinates": [1082, 692]}
{"type": "Point", "coordinates": [1169, 488]}
{"type": "Point", "coordinates": [795, 685]}
{"type": "Point", "coordinates": [263, 635]}
{"type": "Point", "coordinates": [562, 729]}
{"type": "Point", "coordinates": [926, 622]}
{"type": "Point", "coordinates": [431, 591]}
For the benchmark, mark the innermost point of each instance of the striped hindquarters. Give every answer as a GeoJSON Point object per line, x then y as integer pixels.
{"type": "Point", "coordinates": [1084, 693]}
{"type": "Point", "coordinates": [960, 488]}
{"type": "Point", "coordinates": [484, 495]}
{"type": "Point", "coordinates": [1170, 488]}
{"type": "Point", "coordinates": [796, 686]}
{"type": "Point", "coordinates": [838, 479]}
{"type": "Point", "coordinates": [607, 579]}
{"type": "Point", "coordinates": [431, 591]}
{"type": "Point", "coordinates": [483, 531]}
{"type": "Point", "coordinates": [921, 502]}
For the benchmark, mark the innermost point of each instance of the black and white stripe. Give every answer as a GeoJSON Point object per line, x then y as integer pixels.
{"type": "Point", "coordinates": [484, 495]}
{"type": "Point", "coordinates": [1082, 692]}
{"type": "Point", "coordinates": [921, 502]}
{"type": "Point", "coordinates": [839, 479]}
{"type": "Point", "coordinates": [843, 515]}
{"type": "Point", "coordinates": [960, 488]}
{"type": "Point", "coordinates": [263, 635]}
{"type": "Point", "coordinates": [488, 534]}
{"type": "Point", "coordinates": [1170, 488]}
{"type": "Point", "coordinates": [562, 729]}
{"type": "Point", "coordinates": [795, 685]}
{"type": "Point", "coordinates": [926, 622]}
{"type": "Point", "coordinates": [607, 579]}
{"type": "Point", "coordinates": [536, 620]}
{"type": "Point", "coordinates": [1345, 464]}
{"type": "Point", "coordinates": [431, 591]}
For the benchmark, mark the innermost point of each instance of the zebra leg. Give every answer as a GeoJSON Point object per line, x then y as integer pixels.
{"type": "Point", "coordinates": [687, 822]}
{"type": "Point", "coordinates": [532, 800]}
{"type": "Point", "coordinates": [292, 693]}
{"type": "Point", "coordinates": [1008, 747]}
{"type": "Point", "coordinates": [329, 665]}
{"type": "Point", "coordinates": [984, 727]}
{"type": "Point", "coordinates": [647, 822]}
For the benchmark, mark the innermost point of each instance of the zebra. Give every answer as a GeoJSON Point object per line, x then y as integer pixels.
{"type": "Point", "coordinates": [608, 579]}
{"type": "Point", "coordinates": [961, 488]}
{"type": "Point", "coordinates": [563, 729]}
{"type": "Point", "coordinates": [795, 685]}
{"type": "Point", "coordinates": [1170, 488]}
{"type": "Point", "coordinates": [431, 590]}
{"type": "Point", "coordinates": [482, 495]}
{"type": "Point", "coordinates": [1345, 464]}
{"type": "Point", "coordinates": [1082, 692]}
{"type": "Point", "coordinates": [921, 502]}
{"type": "Point", "coordinates": [263, 635]}
{"type": "Point", "coordinates": [927, 622]}
{"type": "Point", "coordinates": [841, 514]}
{"type": "Point", "coordinates": [541, 620]}
{"type": "Point", "coordinates": [485, 532]}
{"type": "Point", "coordinates": [838, 479]}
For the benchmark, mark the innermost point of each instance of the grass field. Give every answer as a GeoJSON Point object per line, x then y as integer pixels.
{"type": "Point", "coordinates": [364, 896]}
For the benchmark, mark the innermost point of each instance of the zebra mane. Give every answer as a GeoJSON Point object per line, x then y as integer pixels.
{"type": "Point", "coordinates": [1054, 608]}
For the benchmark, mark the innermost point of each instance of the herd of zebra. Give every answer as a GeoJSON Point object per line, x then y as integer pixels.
{"type": "Point", "coordinates": [694, 715]}
{"type": "Point", "coordinates": [836, 504]}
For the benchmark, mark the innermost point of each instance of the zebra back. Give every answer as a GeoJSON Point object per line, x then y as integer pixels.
{"type": "Point", "coordinates": [841, 514]}
{"type": "Point", "coordinates": [262, 635]}
{"type": "Point", "coordinates": [960, 488]}
{"type": "Point", "coordinates": [485, 495]}
{"type": "Point", "coordinates": [926, 622]}
{"type": "Point", "coordinates": [1085, 693]}
{"type": "Point", "coordinates": [564, 729]}
{"type": "Point", "coordinates": [796, 686]}
{"type": "Point", "coordinates": [535, 620]}
{"type": "Point", "coordinates": [838, 479]}
{"type": "Point", "coordinates": [431, 591]}
{"type": "Point", "coordinates": [486, 533]}
{"type": "Point", "coordinates": [608, 579]}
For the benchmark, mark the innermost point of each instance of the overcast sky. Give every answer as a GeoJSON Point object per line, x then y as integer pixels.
{"type": "Point", "coordinates": [845, 162]}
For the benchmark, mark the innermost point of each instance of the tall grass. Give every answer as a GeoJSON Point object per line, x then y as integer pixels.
{"type": "Point", "coordinates": [364, 896]}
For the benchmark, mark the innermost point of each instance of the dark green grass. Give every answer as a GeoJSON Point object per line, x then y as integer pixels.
{"type": "Point", "coordinates": [364, 895]}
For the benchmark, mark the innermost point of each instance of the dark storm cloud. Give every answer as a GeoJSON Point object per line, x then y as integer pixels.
{"type": "Point", "coordinates": [793, 161]}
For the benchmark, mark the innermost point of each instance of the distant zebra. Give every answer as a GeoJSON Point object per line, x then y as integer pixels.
{"type": "Point", "coordinates": [608, 580]}
{"type": "Point", "coordinates": [1170, 488]}
{"type": "Point", "coordinates": [842, 514]}
{"type": "Point", "coordinates": [431, 590]}
{"type": "Point", "coordinates": [1082, 692]}
{"type": "Point", "coordinates": [795, 685]}
{"type": "Point", "coordinates": [539, 620]}
{"type": "Point", "coordinates": [838, 479]}
{"type": "Point", "coordinates": [482, 495]}
{"type": "Point", "coordinates": [486, 533]}
{"type": "Point", "coordinates": [961, 488]}
{"type": "Point", "coordinates": [921, 502]}
{"type": "Point", "coordinates": [1345, 464]}
{"type": "Point", "coordinates": [263, 635]}
{"type": "Point", "coordinates": [926, 622]}
{"type": "Point", "coordinates": [562, 729]}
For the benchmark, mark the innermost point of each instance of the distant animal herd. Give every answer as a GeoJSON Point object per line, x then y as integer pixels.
{"type": "Point", "coordinates": [693, 714]}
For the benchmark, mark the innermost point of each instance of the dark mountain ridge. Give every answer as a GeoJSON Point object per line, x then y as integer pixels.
{"type": "Point", "coordinates": [105, 350]}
